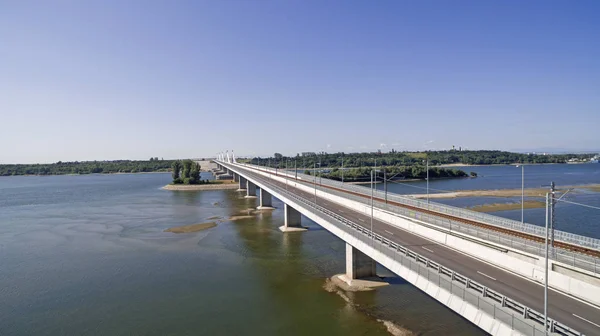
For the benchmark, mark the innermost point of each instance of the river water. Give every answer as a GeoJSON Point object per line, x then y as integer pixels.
{"type": "Point", "coordinates": [569, 217]}
{"type": "Point", "coordinates": [87, 255]}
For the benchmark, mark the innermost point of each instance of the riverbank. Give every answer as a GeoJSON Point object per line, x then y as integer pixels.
{"type": "Point", "coordinates": [530, 192]}
{"type": "Point", "coordinates": [450, 165]}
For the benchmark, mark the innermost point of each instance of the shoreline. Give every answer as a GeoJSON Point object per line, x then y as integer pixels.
{"type": "Point", "coordinates": [449, 165]}
{"type": "Point", "coordinates": [154, 172]}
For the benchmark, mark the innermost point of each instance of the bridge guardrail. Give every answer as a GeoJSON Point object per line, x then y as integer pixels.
{"type": "Point", "coordinates": [511, 312]}
{"type": "Point", "coordinates": [470, 214]}
{"type": "Point", "coordinates": [576, 259]}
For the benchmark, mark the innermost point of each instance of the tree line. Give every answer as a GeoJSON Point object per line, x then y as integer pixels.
{"type": "Point", "coordinates": [87, 167]}
{"type": "Point", "coordinates": [394, 173]}
{"type": "Point", "coordinates": [186, 172]}
{"type": "Point", "coordinates": [395, 158]}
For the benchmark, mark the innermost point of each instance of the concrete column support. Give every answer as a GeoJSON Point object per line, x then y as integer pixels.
{"type": "Point", "coordinates": [358, 264]}
{"type": "Point", "coordinates": [236, 177]}
{"type": "Point", "coordinates": [250, 189]}
{"type": "Point", "coordinates": [266, 200]}
{"type": "Point", "coordinates": [292, 220]}
{"type": "Point", "coordinates": [360, 272]}
{"type": "Point", "coordinates": [243, 183]}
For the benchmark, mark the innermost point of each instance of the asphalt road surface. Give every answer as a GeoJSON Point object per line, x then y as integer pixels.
{"type": "Point", "coordinates": [565, 309]}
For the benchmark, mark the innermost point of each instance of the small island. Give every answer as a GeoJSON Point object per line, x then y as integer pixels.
{"type": "Point", "coordinates": [363, 174]}
{"type": "Point", "coordinates": [186, 177]}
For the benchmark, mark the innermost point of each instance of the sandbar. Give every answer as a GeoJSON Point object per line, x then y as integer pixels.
{"type": "Point", "coordinates": [508, 206]}
{"type": "Point", "coordinates": [191, 228]}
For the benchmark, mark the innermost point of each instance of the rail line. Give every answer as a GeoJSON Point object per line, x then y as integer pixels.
{"type": "Point", "coordinates": [557, 243]}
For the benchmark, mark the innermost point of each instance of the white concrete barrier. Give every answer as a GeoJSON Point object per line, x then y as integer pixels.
{"type": "Point", "coordinates": [530, 270]}
{"type": "Point", "coordinates": [477, 316]}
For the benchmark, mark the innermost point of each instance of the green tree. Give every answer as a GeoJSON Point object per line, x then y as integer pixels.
{"type": "Point", "coordinates": [187, 167]}
{"type": "Point", "coordinates": [176, 170]}
{"type": "Point", "coordinates": [194, 174]}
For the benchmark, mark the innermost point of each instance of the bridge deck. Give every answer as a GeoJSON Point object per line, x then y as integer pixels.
{"type": "Point", "coordinates": [565, 309]}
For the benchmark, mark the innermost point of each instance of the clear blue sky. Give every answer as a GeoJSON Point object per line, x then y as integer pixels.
{"type": "Point", "coordinates": [84, 80]}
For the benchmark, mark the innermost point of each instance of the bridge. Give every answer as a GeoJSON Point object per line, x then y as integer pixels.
{"type": "Point", "coordinates": [488, 269]}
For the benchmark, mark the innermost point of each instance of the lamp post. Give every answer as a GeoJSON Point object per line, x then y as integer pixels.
{"type": "Point", "coordinates": [385, 184]}
{"type": "Point", "coordinates": [522, 194]}
{"type": "Point", "coordinates": [320, 168]}
{"type": "Point", "coordinates": [286, 173]}
{"type": "Point", "coordinates": [427, 179]}
{"type": "Point", "coordinates": [315, 183]}
{"type": "Point", "coordinates": [342, 167]}
{"type": "Point", "coordinates": [546, 271]}
{"type": "Point", "coordinates": [372, 238]}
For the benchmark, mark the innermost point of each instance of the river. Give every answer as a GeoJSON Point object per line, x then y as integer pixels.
{"type": "Point", "coordinates": [87, 255]}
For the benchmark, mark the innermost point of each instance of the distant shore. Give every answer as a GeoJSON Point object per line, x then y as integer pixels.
{"type": "Point", "coordinates": [449, 165]}
{"type": "Point", "coordinates": [71, 174]}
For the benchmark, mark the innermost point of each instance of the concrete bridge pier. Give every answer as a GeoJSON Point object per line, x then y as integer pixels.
{"type": "Point", "coordinates": [360, 273]}
{"type": "Point", "coordinates": [292, 221]}
{"type": "Point", "coordinates": [266, 200]}
{"type": "Point", "coordinates": [250, 189]}
{"type": "Point", "coordinates": [243, 183]}
{"type": "Point", "coordinates": [358, 264]}
{"type": "Point", "coordinates": [236, 177]}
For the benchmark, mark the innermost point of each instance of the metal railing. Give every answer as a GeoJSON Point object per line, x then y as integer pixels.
{"type": "Point", "coordinates": [568, 257]}
{"type": "Point", "coordinates": [520, 317]}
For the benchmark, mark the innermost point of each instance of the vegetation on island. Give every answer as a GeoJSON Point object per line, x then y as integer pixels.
{"type": "Point", "coordinates": [394, 173]}
{"type": "Point", "coordinates": [186, 172]}
{"type": "Point", "coordinates": [396, 158]}
{"type": "Point", "coordinates": [87, 167]}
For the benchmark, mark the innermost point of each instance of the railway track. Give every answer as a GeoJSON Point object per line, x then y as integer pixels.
{"type": "Point", "coordinates": [559, 244]}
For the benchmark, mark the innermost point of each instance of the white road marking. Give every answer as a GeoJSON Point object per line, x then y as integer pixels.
{"type": "Point", "coordinates": [388, 232]}
{"type": "Point", "coordinates": [360, 219]}
{"type": "Point", "coordinates": [425, 248]}
{"type": "Point", "coordinates": [485, 275]}
{"type": "Point", "coordinates": [586, 320]}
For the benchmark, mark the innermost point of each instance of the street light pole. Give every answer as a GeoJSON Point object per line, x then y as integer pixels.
{"type": "Point", "coordinates": [342, 168]}
{"type": "Point", "coordinates": [427, 183]}
{"type": "Point", "coordinates": [286, 173]}
{"type": "Point", "coordinates": [320, 168]}
{"type": "Point", "coordinates": [546, 271]}
{"type": "Point", "coordinates": [315, 183]}
{"type": "Point", "coordinates": [385, 184]}
{"type": "Point", "coordinates": [522, 195]}
{"type": "Point", "coordinates": [372, 238]}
